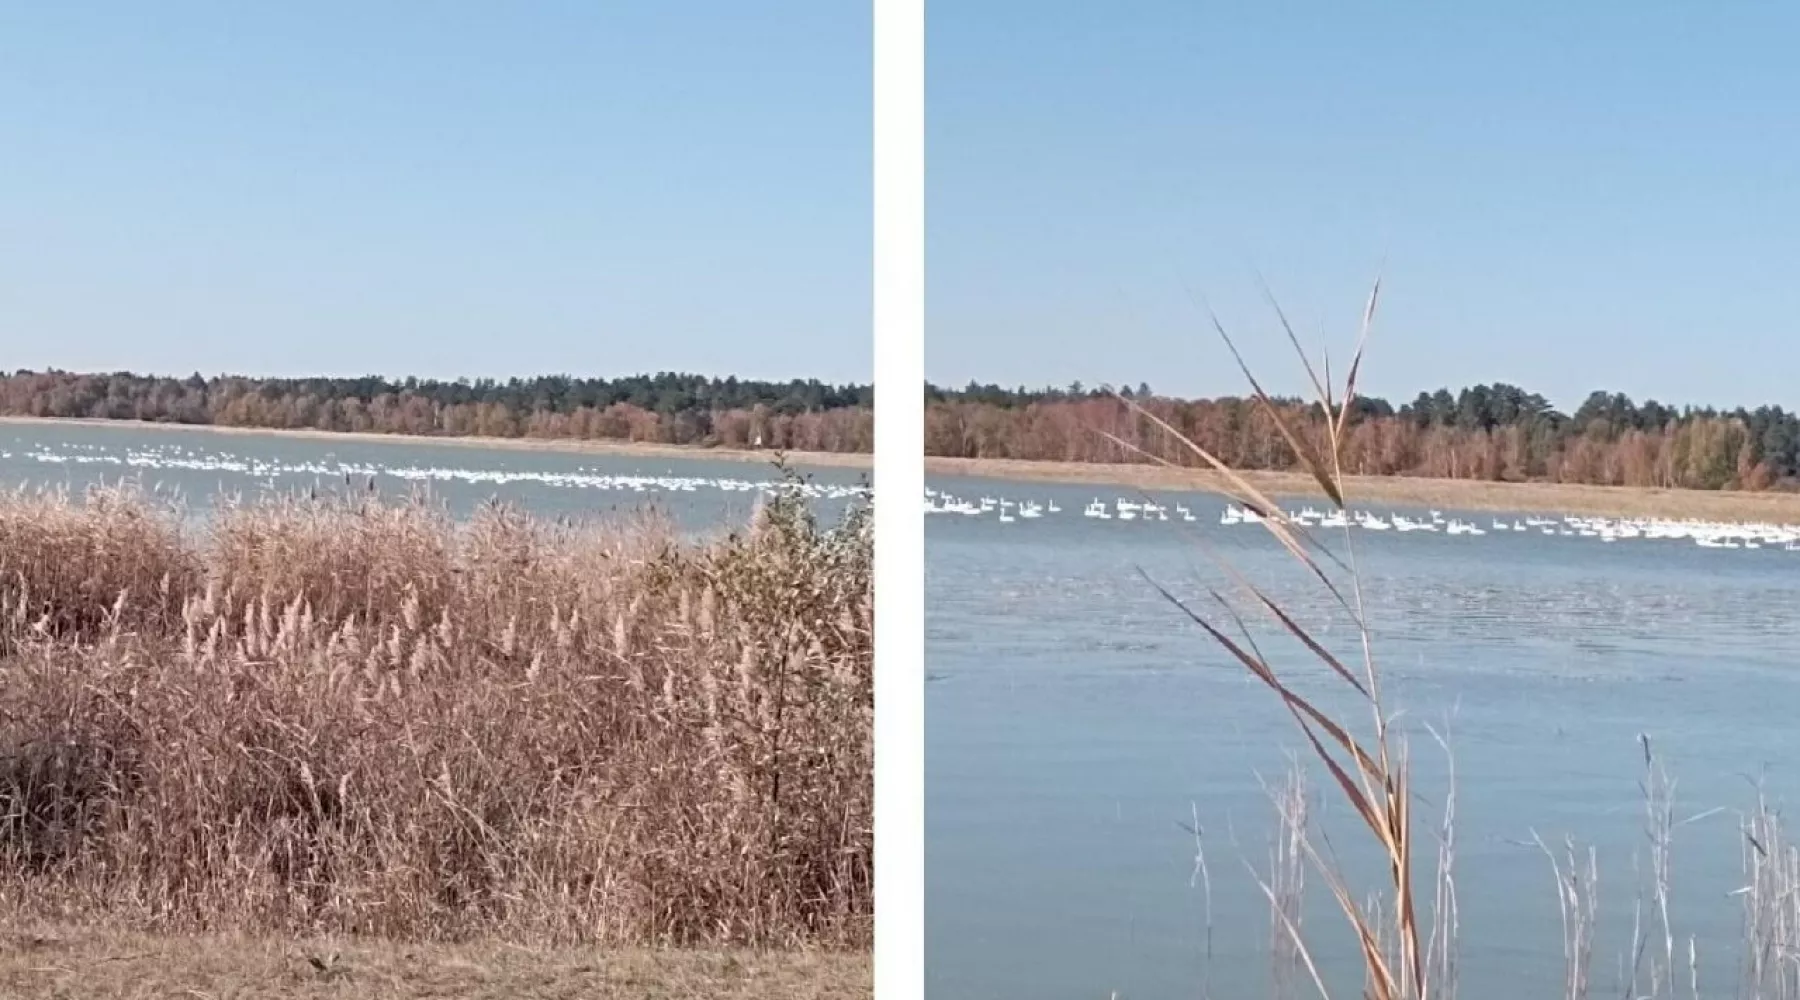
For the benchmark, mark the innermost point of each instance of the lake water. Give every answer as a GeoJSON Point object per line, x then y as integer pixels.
{"type": "Point", "coordinates": [699, 495]}
{"type": "Point", "coordinates": [1076, 724]}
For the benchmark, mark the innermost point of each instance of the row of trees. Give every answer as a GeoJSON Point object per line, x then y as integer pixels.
{"type": "Point", "coordinates": [1493, 432]}
{"type": "Point", "coordinates": [1490, 432]}
{"type": "Point", "coordinates": [662, 409]}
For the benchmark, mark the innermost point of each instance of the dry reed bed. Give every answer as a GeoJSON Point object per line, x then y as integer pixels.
{"type": "Point", "coordinates": [357, 716]}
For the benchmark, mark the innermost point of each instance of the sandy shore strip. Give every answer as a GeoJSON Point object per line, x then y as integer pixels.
{"type": "Point", "coordinates": [1363, 491]}
{"type": "Point", "coordinates": [623, 449]}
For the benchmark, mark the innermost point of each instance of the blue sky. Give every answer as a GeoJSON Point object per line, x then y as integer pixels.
{"type": "Point", "coordinates": [1567, 196]}
{"type": "Point", "coordinates": [437, 189]}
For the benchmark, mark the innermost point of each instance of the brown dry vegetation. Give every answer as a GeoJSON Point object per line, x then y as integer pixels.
{"type": "Point", "coordinates": [357, 717]}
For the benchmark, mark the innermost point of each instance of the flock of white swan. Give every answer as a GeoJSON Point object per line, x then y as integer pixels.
{"type": "Point", "coordinates": [1706, 534]}
{"type": "Point", "coordinates": [268, 471]}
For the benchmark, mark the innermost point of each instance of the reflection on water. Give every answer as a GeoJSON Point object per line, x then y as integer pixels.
{"type": "Point", "coordinates": [1078, 723]}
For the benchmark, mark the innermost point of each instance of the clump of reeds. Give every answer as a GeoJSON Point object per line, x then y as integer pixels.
{"type": "Point", "coordinates": [1406, 947]}
{"type": "Point", "coordinates": [358, 716]}
{"type": "Point", "coordinates": [70, 565]}
{"type": "Point", "coordinates": [1771, 905]}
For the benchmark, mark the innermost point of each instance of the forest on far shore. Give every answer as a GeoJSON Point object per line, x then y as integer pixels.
{"type": "Point", "coordinates": [1485, 432]}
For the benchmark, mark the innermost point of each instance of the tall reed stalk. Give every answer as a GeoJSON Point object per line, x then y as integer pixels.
{"type": "Point", "coordinates": [1407, 949]}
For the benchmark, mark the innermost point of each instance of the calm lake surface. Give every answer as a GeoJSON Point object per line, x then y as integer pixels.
{"type": "Point", "coordinates": [699, 495]}
{"type": "Point", "coordinates": [1077, 724]}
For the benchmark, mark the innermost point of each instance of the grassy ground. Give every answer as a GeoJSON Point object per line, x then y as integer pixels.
{"type": "Point", "coordinates": [1616, 501]}
{"type": "Point", "coordinates": [816, 459]}
{"type": "Point", "coordinates": [81, 964]}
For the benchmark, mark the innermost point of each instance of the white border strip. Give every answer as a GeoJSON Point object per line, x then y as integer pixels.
{"type": "Point", "coordinates": [899, 300]}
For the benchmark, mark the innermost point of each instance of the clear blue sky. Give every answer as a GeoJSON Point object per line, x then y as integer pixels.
{"type": "Point", "coordinates": [439, 189]}
{"type": "Point", "coordinates": [1567, 196]}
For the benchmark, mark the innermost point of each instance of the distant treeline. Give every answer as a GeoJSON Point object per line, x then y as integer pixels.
{"type": "Point", "coordinates": [1488, 432]}
{"type": "Point", "coordinates": [666, 408]}
{"type": "Point", "coordinates": [1492, 432]}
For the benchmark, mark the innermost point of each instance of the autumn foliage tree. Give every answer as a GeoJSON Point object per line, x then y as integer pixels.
{"type": "Point", "coordinates": [1486, 432]}
{"type": "Point", "coordinates": [665, 408]}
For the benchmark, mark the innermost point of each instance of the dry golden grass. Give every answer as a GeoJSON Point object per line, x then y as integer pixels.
{"type": "Point", "coordinates": [78, 964]}
{"type": "Point", "coordinates": [1460, 494]}
{"type": "Point", "coordinates": [353, 716]}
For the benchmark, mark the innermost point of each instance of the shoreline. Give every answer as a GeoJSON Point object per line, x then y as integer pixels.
{"type": "Point", "coordinates": [624, 449]}
{"type": "Point", "coordinates": [106, 962]}
{"type": "Point", "coordinates": [1460, 494]}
